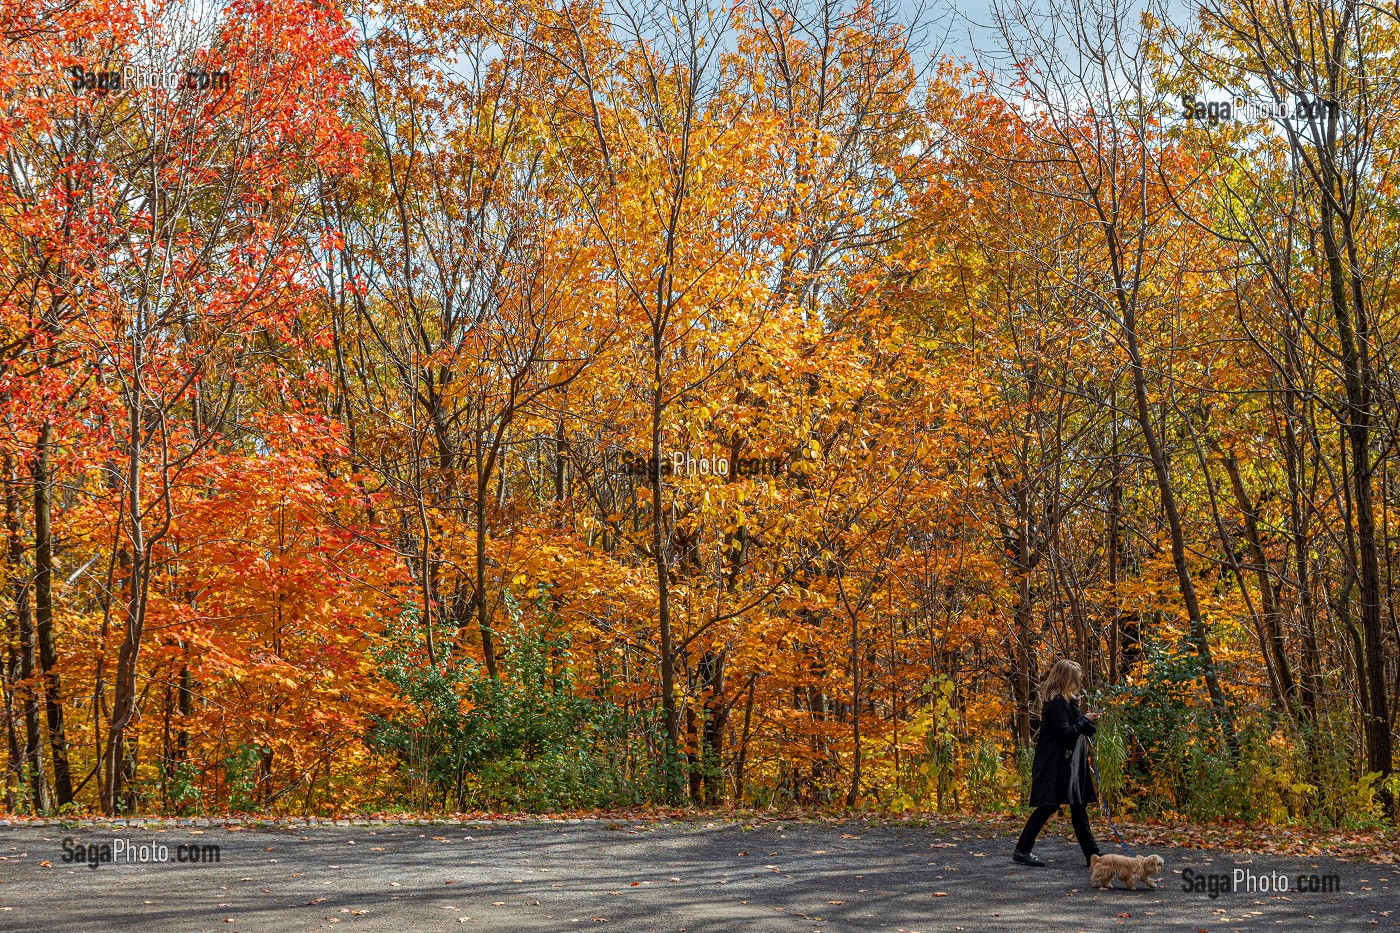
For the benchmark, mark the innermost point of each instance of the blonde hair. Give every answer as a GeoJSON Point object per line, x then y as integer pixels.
{"type": "Point", "coordinates": [1064, 680]}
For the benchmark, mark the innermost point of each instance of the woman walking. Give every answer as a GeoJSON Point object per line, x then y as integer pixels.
{"type": "Point", "coordinates": [1060, 774]}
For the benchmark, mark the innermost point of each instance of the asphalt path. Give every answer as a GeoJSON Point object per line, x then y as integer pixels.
{"type": "Point", "coordinates": [690, 877]}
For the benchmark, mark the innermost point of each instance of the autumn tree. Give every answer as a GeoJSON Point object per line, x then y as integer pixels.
{"type": "Point", "coordinates": [1318, 173]}
{"type": "Point", "coordinates": [1091, 106]}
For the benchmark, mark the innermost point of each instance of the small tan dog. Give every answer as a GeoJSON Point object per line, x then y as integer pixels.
{"type": "Point", "coordinates": [1126, 868]}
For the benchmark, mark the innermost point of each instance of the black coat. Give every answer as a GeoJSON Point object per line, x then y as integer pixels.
{"type": "Point", "coordinates": [1057, 777]}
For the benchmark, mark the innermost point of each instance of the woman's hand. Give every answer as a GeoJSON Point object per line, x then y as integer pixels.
{"type": "Point", "coordinates": [1093, 715]}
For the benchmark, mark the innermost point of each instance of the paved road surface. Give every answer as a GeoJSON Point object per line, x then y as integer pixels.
{"type": "Point", "coordinates": [672, 876]}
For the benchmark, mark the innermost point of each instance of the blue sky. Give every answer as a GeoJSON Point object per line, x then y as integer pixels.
{"type": "Point", "coordinates": [966, 25]}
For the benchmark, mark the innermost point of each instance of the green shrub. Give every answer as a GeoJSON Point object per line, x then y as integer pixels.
{"type": "Point", "coordinates": [526, 741]}
{"type": "Point", "coordinates": [1161, 752]}
{"type": "Point", "coordinates": [242, 768]}
{"type": "Point", "coordinates": [1110, 760]}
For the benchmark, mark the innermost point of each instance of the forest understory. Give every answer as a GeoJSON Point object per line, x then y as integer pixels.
{"type": "Point", "coordinates": [532, 407]}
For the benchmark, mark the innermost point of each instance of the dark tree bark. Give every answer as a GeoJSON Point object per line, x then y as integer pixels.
{"type": "Point", "coordinates": [33, 754]}
{"type": "Point", "coordinates": [1268, 592]}
{"type": "Point", "coordinates": [43, 614]}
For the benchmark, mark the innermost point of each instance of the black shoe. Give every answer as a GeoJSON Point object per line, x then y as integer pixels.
{"type": "Point", "coordinates": [1027, 858]}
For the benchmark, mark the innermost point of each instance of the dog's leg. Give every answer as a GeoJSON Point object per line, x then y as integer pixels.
{"type": "Point", "coordinates": [1129, 881]}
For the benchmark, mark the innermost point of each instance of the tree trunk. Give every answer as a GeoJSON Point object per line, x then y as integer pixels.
{"type": "Point", "coordinates": [1115, 514]}
{"type": "Point", "coordinates": [716, 719]}
{"type": "Point", "coordinates": [1024, 655]}
{"type": "Point", "coordinates": [660, 560]}
{"type": "Point", "coordinates": [483, 621]}
{"type": "Point", "coordinates": [182, 736]}
{"type": "Point", "coordinates": [1353, 329]}
{"type": "Point", "coordinates": [1294, 463]}
{"type": "Point", "coordinates": [1161, 468]}
{"type": "Point", "coordinates": [1268, 593]}
{"type": "Point", "coordinates": [43, 615]}
{"type": "Point", "coordinates": [744, 742]}
{"type": "Point", "coordinates": [33, 756]}
{"type": "Point", "coordinates": [853, 792]}
{"type": "Point", "coordinates": [694, 767]}
{"type": "Point", "coordinates": [114, 758]}
{"type": "Point", "coordinates": [14, 764]}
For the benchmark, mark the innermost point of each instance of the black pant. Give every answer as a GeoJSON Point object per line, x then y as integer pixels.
{"type": "Point", "coordinates": [1079, 815]}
